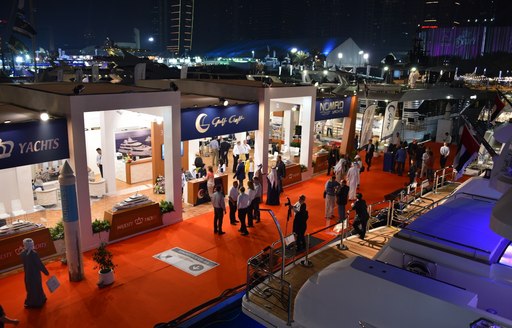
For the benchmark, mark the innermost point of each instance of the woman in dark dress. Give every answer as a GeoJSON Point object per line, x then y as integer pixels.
{"type": "Point", "coordinates": [33, 267]}
{"type": "Point", "coordinates": [272, 188]}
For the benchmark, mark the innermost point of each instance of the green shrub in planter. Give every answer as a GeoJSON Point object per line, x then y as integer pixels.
{"type": "Point", "coordinates": [166, 206]}
{"type": "Point", "coordinates": [57, 232]}
{"type": "Point", "coordinates": [100, 225]}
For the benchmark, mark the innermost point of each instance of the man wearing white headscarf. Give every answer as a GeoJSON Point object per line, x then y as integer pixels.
{"type": "Point", "coordinates": [339, 169]}
{"type": "Point", "coordinates": [273, 188]}
{"type": "Point", "coordinates": [33, 267]}
{"type": "Point", "coordinates": [353, 181]}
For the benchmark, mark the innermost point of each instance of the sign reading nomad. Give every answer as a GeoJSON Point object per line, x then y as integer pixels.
{"type": "Point", "coordinates": [197, 123]}
{"type": "Point", "coordinates": [328, 108]}
{"type": "Point", "coordinates": [33, 142]}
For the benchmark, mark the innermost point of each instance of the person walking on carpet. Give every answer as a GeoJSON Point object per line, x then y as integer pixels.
{"type": "Point", "coordinates": [272, 188]}
{"type": "Point", "coordinates": [353, 181]}
{"type": "Point", "coordinates": [362, 216]}
{"type": "Point", "coordinates": [33, 267]}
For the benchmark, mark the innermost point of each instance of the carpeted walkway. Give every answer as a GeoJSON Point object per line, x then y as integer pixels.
{"type": "Point", "coordinates": [148, 291]}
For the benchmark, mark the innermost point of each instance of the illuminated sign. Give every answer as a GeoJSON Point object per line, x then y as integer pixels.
{"type": "Point", "coordinates": [329, 108]}
{"type": "Point", "coordinates": [197, 123]}
{"type": "Point", "coordinates": [33, 142]}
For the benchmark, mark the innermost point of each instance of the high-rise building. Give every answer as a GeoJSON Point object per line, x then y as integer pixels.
{"type": "Point", "coordinates": [442, 13]}
{"type": "Point", "coordinates": [174, 24]}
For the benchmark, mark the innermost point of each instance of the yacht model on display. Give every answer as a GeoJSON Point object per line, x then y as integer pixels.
{"type": "Point", "coordinates": [450, 267]}
{"type": "Point", "coordinates": [135, 148]}
{"type": "Point", "coordinates": [132, 201]}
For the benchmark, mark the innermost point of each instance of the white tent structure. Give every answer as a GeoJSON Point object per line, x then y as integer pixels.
{"type": "Point", "coordinates": [350, 55]}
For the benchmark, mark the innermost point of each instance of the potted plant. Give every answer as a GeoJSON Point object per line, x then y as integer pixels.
{"type": "Point", "coordinates": [101, 228]}
{"type": "Point", "coordinates": [57, 235]}
{"type": "Point", "coordinates": [103, 258]}
{"type": "Point", "coordinates": [166, 206]}
{"type": "Point", "coordinates": [159, 187]}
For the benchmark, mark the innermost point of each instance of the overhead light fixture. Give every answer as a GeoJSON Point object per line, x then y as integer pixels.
{"type": "Point", "coordinates": [78, 89]}
{"type": "Point", "coordinates": [223, 101]}
{"type": "Point", "coordinates": [7, 122]}
{"type": "Point", "coordinates": [44, 116]}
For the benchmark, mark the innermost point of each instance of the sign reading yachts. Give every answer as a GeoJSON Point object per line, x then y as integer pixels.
{"type": "Point", "coordinates": [328, 108]}
{"type": "Point", "coordinates": [33, 142]}
{"type": "Point", "coordinates": [197, 123]}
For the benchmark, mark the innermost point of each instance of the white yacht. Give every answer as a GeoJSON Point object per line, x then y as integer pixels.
{"type": "Point", "coordinates": [132, 201]}
{"type": "Point", "coordinates": [450, 267]}
{"type": "Point", "coordinates": [134, 147]}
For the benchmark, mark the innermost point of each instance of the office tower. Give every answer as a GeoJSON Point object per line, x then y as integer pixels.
{"type": "Point", "coordinates": [174, 21]}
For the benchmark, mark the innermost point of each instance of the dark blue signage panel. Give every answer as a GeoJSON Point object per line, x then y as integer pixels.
{"type": "Point", "coordinates": [33, 142]}
{"type": "Point", "coordinates": [197, 123]}
{"type": "Point", "coordinates": [328, 108]}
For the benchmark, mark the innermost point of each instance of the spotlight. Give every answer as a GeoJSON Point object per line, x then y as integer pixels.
{"type": "Point", "coordinates": [173, 86]}
{"type": "Point", "coordinates": [44, 116]}
{"type": "Point", "coordinates": [78, 89]}
{"type": "Point", "coordinates": [223, 101]}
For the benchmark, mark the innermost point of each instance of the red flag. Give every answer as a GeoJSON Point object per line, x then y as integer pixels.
{"type": "Point", "coordinates": [498, 107]}
{"type": "Point", "coordinates": [467, 152]}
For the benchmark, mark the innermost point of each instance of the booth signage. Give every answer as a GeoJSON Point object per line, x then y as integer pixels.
{"type": "Point", "coordinates": [33, 142]}
{"type": "Point", "coordinates": [197, 123]}
{"type": "Point", "coordinates": [329, 108]}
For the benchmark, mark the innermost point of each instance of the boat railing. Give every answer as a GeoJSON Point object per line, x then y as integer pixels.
{"type": "Point", "coordinates": [443, 176]}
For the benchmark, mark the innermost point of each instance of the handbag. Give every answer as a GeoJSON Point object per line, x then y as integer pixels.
{"type": "Point", "coordinates": [52, 284]}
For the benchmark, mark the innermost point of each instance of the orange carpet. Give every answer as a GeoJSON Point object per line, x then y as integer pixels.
{"type": "Point", "coordinates": [148, 291]}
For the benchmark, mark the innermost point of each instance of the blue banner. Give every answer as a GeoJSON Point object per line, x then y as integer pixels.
{"type": "Point", "coordinates": [328, 108]}
{"type": "Point", "coordinates": [197, 123]}
{"type": "Point", "coordinates": [33, 142]}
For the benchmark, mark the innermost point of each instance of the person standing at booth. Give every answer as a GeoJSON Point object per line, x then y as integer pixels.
{"type": "Point", "coordinates": [362, 216]}
{"type": "Point", "coordinates": [99, 162]}
{"type": "Point", "coordinates": [370, 149]}
{"type": "Point", "coordinates": [219, 209]}
{"type": "Point", "coordinates": [33, 267]}
{"type": "Point", "coordinates": [281, 172]}
{"type": "Point", "coordinates": [240, 173]}
{"type": "Point", "coordinates": [232, 199]}
{"type": "Point", "coordinates": [444, 152]}
{"type": "Point", "coordinates": [272, 188]}
{"type": "Point", "coordinates": [224, 150]}
{"type": "Point", "coordinates": [342, 200]}
{"type": "Point", "coordinates": [243, 203]}
{"type": "Point", "coordinates": [214, 148]}
{"type": "Point", "coordinates": [237, 150]}
{"type": "Point", "coordinates": [210, 181]}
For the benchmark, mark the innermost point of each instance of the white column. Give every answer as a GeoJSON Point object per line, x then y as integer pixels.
{"type": "Point", "coordinates": [287, 127]}
{"type": "Point", "coordinates": [172, 170]}
{"type": "Point", "coordinates": [261, 136]}
{"type": "Point", "coordinates": [193, 149]}
{"type": "Point", "coordinates": [306, 146]}
{"type": "Point", "coordinates": [108, 125]}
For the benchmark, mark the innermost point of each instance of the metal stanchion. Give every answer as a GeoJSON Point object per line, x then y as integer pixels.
{"type": "Point", "coordinates": [306, 262]}
{"type": "Point", "coordinates": [342, 246]}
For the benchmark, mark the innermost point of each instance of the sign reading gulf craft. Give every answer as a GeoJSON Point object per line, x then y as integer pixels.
{"type": "Point", "coordinates": [197, 123]}
{"type": "Point", "coordinates": [33, 142]}
{"type": "Point", "coordinates": [328, 108]}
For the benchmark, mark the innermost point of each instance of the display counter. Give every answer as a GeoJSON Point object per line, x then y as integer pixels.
{"type": "Point", "coordinates": [124, 223]}
{"type": "Point", "coordinates": [293, 174]}
{"type": "Point", "coordinates": [11, 246]}
{"type": "Point", "coordinates": [321, 162]}
{"type": "Point", "coordinates": [197, 191]}
{"type": "Point", "coordinates": [135, 171]}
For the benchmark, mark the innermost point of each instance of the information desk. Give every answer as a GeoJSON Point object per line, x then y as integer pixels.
{"type": "Point", "coordinates": [135, 171]}
{"type": "Point", "coordinates": [12, 246]}
{"type": "Point", "coordinates": [321, 162]}
{"type": "Point", "coordinates": [197, 191]}
{"type": "Point", "coordinates": [293, 174]}
{"type": "Point", "coordinates": [124, 223]}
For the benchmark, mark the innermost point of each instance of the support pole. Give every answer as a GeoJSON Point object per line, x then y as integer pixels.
{"type": "Point", "coordinates": [74, 259]}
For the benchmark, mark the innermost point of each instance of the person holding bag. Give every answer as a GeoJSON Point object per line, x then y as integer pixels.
{"type": "Point", "coordinates": [33, 267]}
